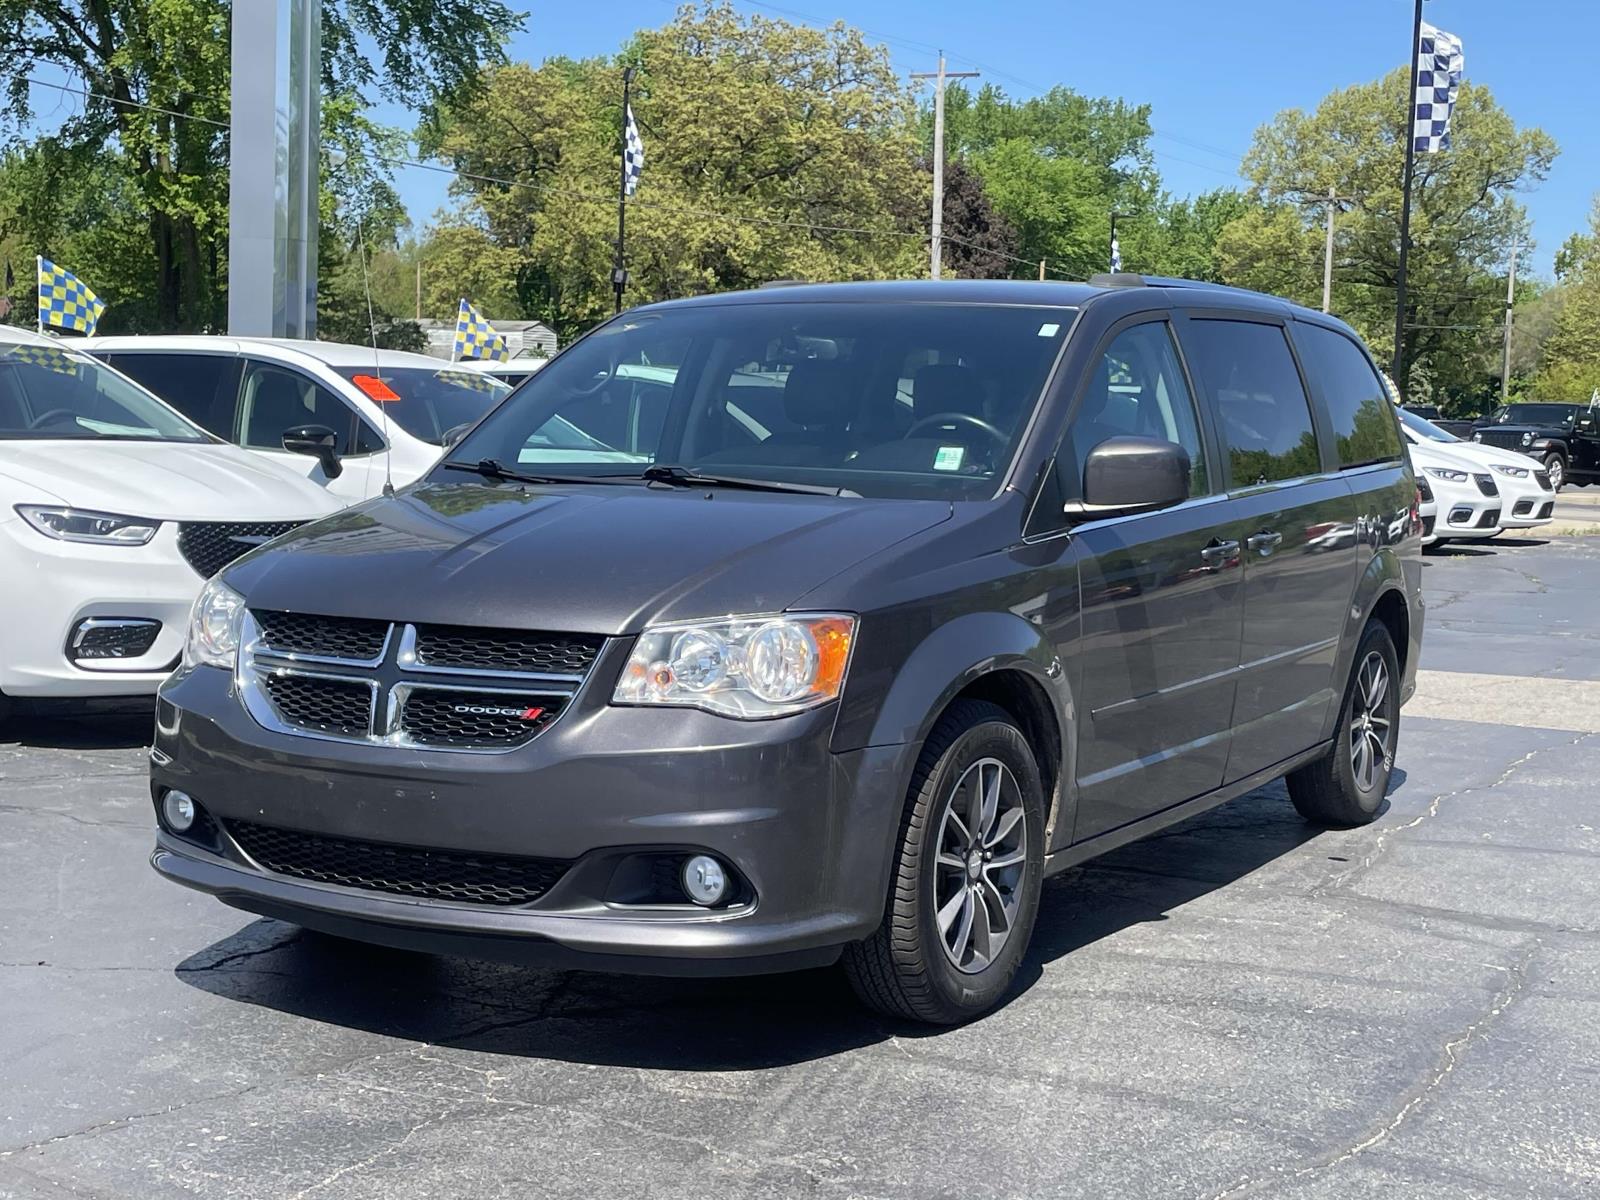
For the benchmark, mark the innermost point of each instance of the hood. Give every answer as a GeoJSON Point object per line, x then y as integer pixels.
{"type": "Point", "coordinates": [1434, 454]}
{"type": "Point", "coordinates": [605, 559]}
{"type": "Point", "coordinates": [170, 481]}
{"type": "Point", "coordinates": [1482, 453]}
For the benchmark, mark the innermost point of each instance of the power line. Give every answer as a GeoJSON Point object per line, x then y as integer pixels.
{"type": "Point", "coordinates": [586, 197]}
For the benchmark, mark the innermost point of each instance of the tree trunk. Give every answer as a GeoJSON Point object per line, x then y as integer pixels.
{"type": "Point", "coordinates": [168, 300]}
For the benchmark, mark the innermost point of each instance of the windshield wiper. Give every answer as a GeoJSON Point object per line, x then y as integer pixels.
{"type": "Point", "coordinates": [493, 468]}
{"type": "Point", "coordinates": [676, 476]}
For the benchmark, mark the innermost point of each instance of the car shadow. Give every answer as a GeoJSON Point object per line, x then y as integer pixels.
{"type": "Point", "coordinates": [710, 1024]}
{"type": "Point", "coordinates": [96, 725]}
{"type": "Point", "coordinates": [1456, 550]}
{"type": "Point", "coordinates": [1518, 543]}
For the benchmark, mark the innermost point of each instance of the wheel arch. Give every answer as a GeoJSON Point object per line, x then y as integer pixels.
{"type": "Point", "coordinates": [997, 657]}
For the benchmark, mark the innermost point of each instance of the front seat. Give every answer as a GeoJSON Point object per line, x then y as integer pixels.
{"type": "Point", "coordinates": [821, 398]}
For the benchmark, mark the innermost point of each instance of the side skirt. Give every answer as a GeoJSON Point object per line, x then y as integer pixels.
{"type": "Point", "coordinates": [1081, 852]}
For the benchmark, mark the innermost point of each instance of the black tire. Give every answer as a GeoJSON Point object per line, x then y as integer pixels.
{"type": "Point", "coordinates": [1557, 467]}
{"type": "Point", "coordinates": [1328, 791]}
{"type": "Point", "coordinates": [905, 969]}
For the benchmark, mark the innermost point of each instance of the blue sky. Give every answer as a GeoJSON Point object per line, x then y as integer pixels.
{"type": "Point", "coordinates": [1212, 70]}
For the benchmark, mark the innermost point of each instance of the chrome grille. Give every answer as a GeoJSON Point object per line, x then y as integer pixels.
{"type": "Point", "coordinates": [362, 680]}
{"type": "Point", "coordinates": [433, 716]}
{"type": "Point", "coordinates": [208, 546]}
{"type": "Point", "coordinates": [498, 879]}
{"type": "Point", "coordinates": [321, 704]}
{"type": "Point", "coordinates": [463, 648]}
{"type": "Point", "coordinates": [348, 638]}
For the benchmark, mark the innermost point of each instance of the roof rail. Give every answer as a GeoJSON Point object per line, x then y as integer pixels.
{"type": "Point", "coordinates": [1128, 279]}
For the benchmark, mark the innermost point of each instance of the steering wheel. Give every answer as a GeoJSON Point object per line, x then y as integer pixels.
{"type": "Point", "coordinates": [45, 418]}
{"type": "Point", "coordinates": [960, 418]}
{"type": "Point", "coordinates": [605, 377]}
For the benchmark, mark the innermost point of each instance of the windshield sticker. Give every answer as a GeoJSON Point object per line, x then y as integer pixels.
{"type": "Point", "coordinates": [949, 458]}
{"type": "Point", "coordinates": [1049, 329]}
{"type": "Point", "coordinates": [375, 388]}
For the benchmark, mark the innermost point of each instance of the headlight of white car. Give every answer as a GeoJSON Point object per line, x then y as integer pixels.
{"type": "Point", "coordinates": [1508, 469]}
{"type": "Point", "coordinates": [1448, 474]}
{"type": "Point", "coordinates": [95, 528]}
{"type": "Point", "coordinates": [750, 667]}
{"type": "Point", "coordinates": [213, 636]}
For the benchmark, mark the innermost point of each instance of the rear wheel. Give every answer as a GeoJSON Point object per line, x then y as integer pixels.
{"type": "Point", "coordinates": [965, 885]}
{"type": "Point", "coordinates": [1557, 467]}
{"type": "Point", "coordinates": [1347, 785]}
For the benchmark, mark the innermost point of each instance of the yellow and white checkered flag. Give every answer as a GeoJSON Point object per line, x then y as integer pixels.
{"type": "Point", "coordinates": [65, 302]}
{"type": "Point", "coordinates": [51, 358]}
{"type": "Point", "coordinates": [476, 338]}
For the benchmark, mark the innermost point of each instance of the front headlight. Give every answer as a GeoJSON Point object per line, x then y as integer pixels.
{"type": "Point", "coordinates": [748, 667]}
{"type": "Point", "coordinates": [1507, 469]}
{"type": "Point", "coordinates": [1477, 437]}
{"type": "Point", "coordinates": [1447, 474]}
{"type": "Point", "coordinates": [213, 636]}
{"type": "Point", "coordinates": [96, 528]}
{"type": "Point", "coordinates": [1527, 439]}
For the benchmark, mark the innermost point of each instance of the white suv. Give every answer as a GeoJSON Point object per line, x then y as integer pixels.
{"type": "Point", "coordinates": [1528, 500]}
{"type": "Point", "coordinates": [346, 416]}
{"type": "Point", "coordinates": [114, 510]}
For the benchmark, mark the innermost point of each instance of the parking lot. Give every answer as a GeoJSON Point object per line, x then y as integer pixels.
{"type": "Point", "coordinates": [1241, 1006]}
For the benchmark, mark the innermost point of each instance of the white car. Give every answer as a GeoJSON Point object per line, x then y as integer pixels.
{"type": "Point", "coordinates": [346, 416]}
{"type": "Point", "coordinates": [1466, 495]}
{"type": "Point", "coordinates": [511, 372]}
{"type": "Point", "coordinates": [114, 511]}
{"type": "Point", "coordinates": [1527, 498]}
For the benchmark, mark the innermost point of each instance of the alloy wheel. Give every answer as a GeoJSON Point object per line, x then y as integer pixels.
{"type": "Point", "coordinates": [1557, 472]}
{"type": "Point", "coordinates": [981, 855]}
{"type": "Point", "coordinates": [1371, 728]}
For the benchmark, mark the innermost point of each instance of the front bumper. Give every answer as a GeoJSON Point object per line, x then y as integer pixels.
{"type": "Point", "coordinates": [810, 832]}
{"type": "Point", "coordinates": [51, 586]}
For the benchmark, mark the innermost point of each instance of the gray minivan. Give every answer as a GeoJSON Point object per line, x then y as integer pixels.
{"type": "Point", "coordinates": [762, 630]}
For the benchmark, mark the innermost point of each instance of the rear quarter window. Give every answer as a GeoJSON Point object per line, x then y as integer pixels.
{"type": "Point", "coordinates": [1359, 411]}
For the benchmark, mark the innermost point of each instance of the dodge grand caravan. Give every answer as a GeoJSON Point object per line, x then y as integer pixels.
{"type": "Point", "coordinates": [760, 631]}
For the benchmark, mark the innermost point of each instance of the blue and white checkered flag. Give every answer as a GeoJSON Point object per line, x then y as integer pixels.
{"type": "Point", "coordinates": [632, 156]}
{"type": "Point", "coordinates": [1439, 66]}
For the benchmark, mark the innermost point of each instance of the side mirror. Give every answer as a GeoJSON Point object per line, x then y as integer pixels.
{"type": "Point", "coordinates": [454, 434]}
{"type": "Point", "coordinates": [1131, 475]}
{"type": "Point", "coordinates": [318, 441]}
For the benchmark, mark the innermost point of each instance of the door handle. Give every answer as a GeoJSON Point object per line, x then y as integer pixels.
{"type": "Point", "coordinates": [1264, 542]}
{"type": "Point", "coordinates": [1217, 553]}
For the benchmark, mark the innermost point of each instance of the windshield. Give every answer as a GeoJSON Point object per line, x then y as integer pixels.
{"type": "Point", "coordinates": [429, 403]}
{"type": "Point", "coordinates": [1535, 414]}
{"type": "Point", "coordinates": [49, 391]}
{"type": "Point", "coordinates": [907, 400]}
{"type": "Point", "coordinates": [1424, 427]}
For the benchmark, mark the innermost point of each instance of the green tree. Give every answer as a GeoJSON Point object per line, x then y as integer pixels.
{"type": "Point", "coordinates": [1571, 361]}
{"type": "Point", "coordinates": [769, 147]}
{"type": "Point", "coordinates": [1055, 167]}
{"type": "Point", "coordinates": [157, 74]}
{"type": "Point", "coordinates": [1464, 219]}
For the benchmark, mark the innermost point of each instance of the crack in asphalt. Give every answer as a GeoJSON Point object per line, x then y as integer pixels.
{"type": "Point", "coordinates": [1381, 843]}
{"type": "Point", "coordinates": [1448, 1059]}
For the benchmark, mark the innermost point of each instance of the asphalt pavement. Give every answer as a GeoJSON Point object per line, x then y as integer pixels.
{"type": "Point", "coordinates": [1242, 1006]}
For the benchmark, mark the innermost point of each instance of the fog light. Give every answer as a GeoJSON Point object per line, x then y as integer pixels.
{"type": "Point", "coordinates": [704, 879]}
{"type": "Point", "coordinates": [179, 810]}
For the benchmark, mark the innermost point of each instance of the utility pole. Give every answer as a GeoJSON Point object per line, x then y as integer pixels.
{"type": "Point", "coordinates": [419, 283]}
{"type": "Point", "coordinates": [1334, 200]}
{"type": "Point", "coordinates": [1505, 353]}
{"type": "Point", "coordinates": [1397, 372]}
{"type": "Point", "coordinates": [936, 242]}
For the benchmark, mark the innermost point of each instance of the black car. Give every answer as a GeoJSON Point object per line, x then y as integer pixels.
{"type": "Point", "coordinates": [1430, 412]}
{"type": "Point", "coordinates": [762, 630]}
{"type": "Point", "coordinates": [1565, 437]}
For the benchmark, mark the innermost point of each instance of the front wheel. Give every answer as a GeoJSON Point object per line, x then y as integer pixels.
{"type": "Point", "coordinates": [1557, 468]}
{"type": "Point", "coordinates": [1347, 785]}
{"type": "Point", "coordinates": [964, 890]}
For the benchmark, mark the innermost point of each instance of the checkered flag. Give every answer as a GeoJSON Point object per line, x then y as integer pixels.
{"type": "Point", "coordinates": [476, 338]}
{"type": "Point", "coordinates": [1439, 66]}
{"type": "Point", "coordinates": [65, 301]}
{"type": "Point", "coordinates": [1116, 256]}
{"type": "Point", "coordinates": [51, 358]}
{"type": "Point", "coordinates": [632, 156]}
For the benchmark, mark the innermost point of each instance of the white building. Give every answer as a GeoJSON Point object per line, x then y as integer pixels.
{"type": "Point", "coordinates": [525, 338]}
